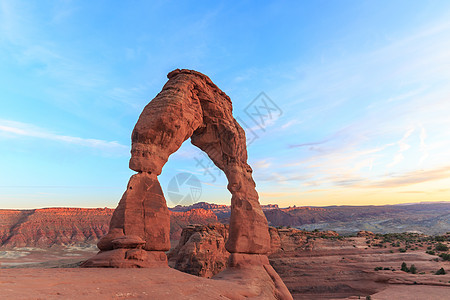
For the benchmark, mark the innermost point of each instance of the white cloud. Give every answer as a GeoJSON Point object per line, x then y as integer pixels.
{"type": "Point", "coordinates": [403, 146]}
{"type": "Point", "coordinates": [290, 123]}
{"type": "Point", "coordinates": [14, 129]}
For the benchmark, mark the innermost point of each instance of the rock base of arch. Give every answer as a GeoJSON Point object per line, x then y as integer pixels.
{"type": "Point", "coordinates": [127, 258]}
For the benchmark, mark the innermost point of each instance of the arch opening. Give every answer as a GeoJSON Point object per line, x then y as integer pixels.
{"type": "Point", "coordinates": [191, 106]}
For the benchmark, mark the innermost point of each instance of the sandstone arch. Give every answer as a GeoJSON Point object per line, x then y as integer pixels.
{"type": "Point", "coordinates": [190, 105]}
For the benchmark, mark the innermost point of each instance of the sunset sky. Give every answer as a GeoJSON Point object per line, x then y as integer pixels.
{"type": "Point", "coordinates": [359, 91]}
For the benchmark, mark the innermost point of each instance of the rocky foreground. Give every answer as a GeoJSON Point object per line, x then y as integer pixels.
{"type": "Point", "coordinates": [314, 265]}
{"type": "Point", "coordinates": [101, 283]}
{"type": "Point", "coordinates": [324, 265]}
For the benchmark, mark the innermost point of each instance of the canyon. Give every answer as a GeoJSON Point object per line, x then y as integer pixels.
{"type": "Point", "coordinates": [71, 226]}
{"type": "Point", "coordinates": [50, 227]}
{"type": "Point", "coordinates": [313, 264]}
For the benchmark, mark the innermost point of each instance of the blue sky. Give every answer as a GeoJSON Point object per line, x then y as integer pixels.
{"type": "Point", "coordinates": [362, 88]}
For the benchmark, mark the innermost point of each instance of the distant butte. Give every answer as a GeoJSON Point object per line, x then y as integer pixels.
{"type": "Point", "coordinates": [190, 105]}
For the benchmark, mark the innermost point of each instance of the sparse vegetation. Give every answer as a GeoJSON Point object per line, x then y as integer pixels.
{"type": "Point", "coordinates": [441, 271]}
{"type": "Point", "coordinates": [441, 247]}
{"type": "Point", "coordinates": [404, 267]}
{"type": "Point", "coordinates": [412, 269]}
{"type": "Point", "coordinates": [445, 256]}
{"type": "Point", "coordinates": [442, 238]}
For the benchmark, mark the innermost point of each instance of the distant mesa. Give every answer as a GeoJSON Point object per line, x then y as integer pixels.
{"type": "Point", "coordinates": [365, 233]}
{"type": "Point", "coordinates": [190, 105]}
{"type": "Point", "coordinates": [50, 227]}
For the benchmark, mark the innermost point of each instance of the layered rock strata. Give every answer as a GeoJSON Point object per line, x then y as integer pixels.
{"type": "Point", "coordinates": [190, 105]}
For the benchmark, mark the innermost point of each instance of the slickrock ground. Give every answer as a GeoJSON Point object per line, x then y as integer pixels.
{"type": "Point", "coordinates": [333, 269]}
{"type": "Point", "coordinates": [418, 292]}
{"type": "Point", "coordinates": [322, 265]}
{"type": "Point", "coordinates": [312, 268]}
{"type": "Point", "coordinates": [96, 283]}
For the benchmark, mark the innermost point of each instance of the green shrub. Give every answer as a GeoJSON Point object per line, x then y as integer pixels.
{"type": "Point", "coordinates": [441, 271]}
{"type": "Point", "coordinates": [445, 256]}
{"type": "Point", "coordinates": [439, 238]}
{"type": "Point", "coordinates": [402, 250]}
{"type": "Point", "coordinates": [441, 247]}
{"type": "Point", "coordinates": [413, 269]}
{"type": "Point", "coordinates": [404, 267]}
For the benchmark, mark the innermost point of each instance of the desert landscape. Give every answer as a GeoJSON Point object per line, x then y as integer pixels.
{"type": "Point", "coordinates": [330, 265]}
{"type": "Point", "coordinates": [266, 150]}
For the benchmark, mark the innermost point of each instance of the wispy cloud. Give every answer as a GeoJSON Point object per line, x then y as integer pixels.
{"type": "Point", "coordinates": [413, 177]}
{"type": "Point", "coordinates": [403, 146]}
{"type": "Point", "coordinates": [18, 129]}
{"type": "Point", "coordinates": [290, 124]}
{"type": "Point", "coordinates": [309, 144]}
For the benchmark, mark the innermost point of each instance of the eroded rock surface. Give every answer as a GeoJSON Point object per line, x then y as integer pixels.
{"type": "Point", "coordinates": [201, 250]}
{"type": "Point", "coordinates": [55, 227]}
{"type": "Point", "coordinates": [48, 227]}
{"type": "Point", "coordinates": [190, 105]}
{"type": "Point", "coordinates": [142, 212]}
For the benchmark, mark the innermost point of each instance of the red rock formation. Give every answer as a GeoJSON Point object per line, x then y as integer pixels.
{"type": "Point", "coordinates": [52, 226]}
{"type": "Point", "coordinates": [365, 233]}
{"type": "Point", "coordinates": [142, 212]}
{"type": "Point", "coordinates": [180, 220]}
{"type": "Point", "coordinates": [189, 106]}
{"type": "Point", "coordinates": [201, 250]}
{"type": "Point", "coordinates": [49, 227]}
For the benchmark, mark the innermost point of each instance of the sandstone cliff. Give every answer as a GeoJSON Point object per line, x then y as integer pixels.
{"type": "Point", "coordinates": [52, 226]}
{"type": "Point", "coordinates": [49, 227]}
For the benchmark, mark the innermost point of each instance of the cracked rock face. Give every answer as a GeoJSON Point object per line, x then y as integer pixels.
{"type": "Point", "coordinates": [190, 105]}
